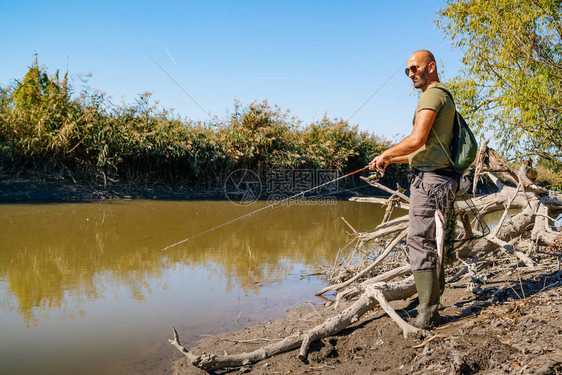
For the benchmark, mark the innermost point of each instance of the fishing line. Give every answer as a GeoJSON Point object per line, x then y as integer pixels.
{"type": "Point", "coordinates": [197, 270]}
{"type": "Point", "coordinates": [218, 249]}
{"type": "Point", "coordinates": [208, 114]}
{"type": "Point", "coordinates": [376, 92]}
{"type": "Point", "coordinates": [283, 200]}
{"type": "Point", "coordinates": [264, 208]}
{"type": "Point", "coordinates": [182, 89]}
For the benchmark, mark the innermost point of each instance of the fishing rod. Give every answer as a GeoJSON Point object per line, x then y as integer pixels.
{"type": "Point", "coordinates": [265, 208]}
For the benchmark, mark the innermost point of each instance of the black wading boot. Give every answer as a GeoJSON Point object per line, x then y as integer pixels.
{"type": "Point", "coordinates": [427, 285]}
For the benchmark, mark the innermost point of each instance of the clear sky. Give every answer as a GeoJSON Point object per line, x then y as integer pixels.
{"type": "Point", "coordinates": [312, 57]}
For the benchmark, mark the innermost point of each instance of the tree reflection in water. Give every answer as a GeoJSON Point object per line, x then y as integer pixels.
{"type": "Point", "coordinates": [56, 256]}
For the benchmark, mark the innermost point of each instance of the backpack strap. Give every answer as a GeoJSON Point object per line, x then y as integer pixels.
{"type": "Point", "coordinates": [446, 92]}
{"type": "Point", "coordinates": [443, 147]}
{"type": "Point", "coordinates": [435, 133]}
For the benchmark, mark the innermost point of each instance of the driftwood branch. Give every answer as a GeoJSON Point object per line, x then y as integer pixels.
{"type": "Point", "coordinates": [376, 200]}
{"type": "Point", "coordinates": [379, 259]}
{"type": "Point", "coordinates": [479, 164]}
{"type": "Point", "coordinates": [355, 290]}
{"type": "Point", "coordinates": [385, 229]}
{"type": "Point", "coordinates": [512, 250]}
{"type": "Point", "coordinates": [542, 232]}
{"type": "Point", "coordinates": [387, 189]}
{"type": "Point", "coordinates": [407, 329]}
{"type": "Point", "coordinates": [333, 325]}
{"type": "Point", "coordinates": [176, 343]}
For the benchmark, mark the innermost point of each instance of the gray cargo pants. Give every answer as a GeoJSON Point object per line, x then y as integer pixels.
{"type": "Point", "coordinates": [428, 192]}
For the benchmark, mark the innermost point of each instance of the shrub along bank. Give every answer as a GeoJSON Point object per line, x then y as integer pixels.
{"type": "Point", "coordinates": [48, 129]}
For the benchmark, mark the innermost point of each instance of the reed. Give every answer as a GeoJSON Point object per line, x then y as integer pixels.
{"type": "Point", "coordinates": [46, 127]}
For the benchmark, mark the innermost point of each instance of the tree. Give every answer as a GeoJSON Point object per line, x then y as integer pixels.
{"type": "Point", "coordinates": [511, 83]}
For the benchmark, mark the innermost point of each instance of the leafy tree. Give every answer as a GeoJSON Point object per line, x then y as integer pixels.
{"type": "Point", "coordinates": [512, 80]}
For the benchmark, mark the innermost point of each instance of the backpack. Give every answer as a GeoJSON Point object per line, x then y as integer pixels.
{"type": "Point", "coordinates": [463, 145]}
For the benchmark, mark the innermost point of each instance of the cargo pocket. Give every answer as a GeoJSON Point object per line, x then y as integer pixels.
{"type": "Point", "coordinates": [424, 223]}
{"type": "Point", "coordinates": [421, 238]}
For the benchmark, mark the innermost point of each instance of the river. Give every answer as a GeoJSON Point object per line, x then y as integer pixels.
{"type": "Point", "coordinates": [85, 288]}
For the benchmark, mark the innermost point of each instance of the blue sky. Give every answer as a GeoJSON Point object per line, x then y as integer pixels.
{"type": "Point", "coordinates": [312, 57]}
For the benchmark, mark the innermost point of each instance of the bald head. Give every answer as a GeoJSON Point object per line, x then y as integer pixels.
{"type": "Point", "coordinates": [424, 55]}
{"type": "Point", "coordinates": [422, 69]}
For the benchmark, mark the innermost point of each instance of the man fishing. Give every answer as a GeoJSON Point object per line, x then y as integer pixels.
{"type": "Point", "coordinates": [433, 182]}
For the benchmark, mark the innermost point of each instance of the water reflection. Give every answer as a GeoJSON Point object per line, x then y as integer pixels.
{"type": "Point", "coordinates": [56, 257]}
{"type": "Point", "coordinates": [87, 279]}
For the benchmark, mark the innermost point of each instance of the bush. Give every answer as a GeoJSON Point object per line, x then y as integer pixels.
{"type": "Point", "coordinates": [44, 127]}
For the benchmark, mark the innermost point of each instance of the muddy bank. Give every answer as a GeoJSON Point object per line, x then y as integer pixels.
{"type": "Point", "coordinates": [512, 325]}
{"type": "Point", "coordinates": [56, 189]}
{"type": "Point", "coordinates": [53, 190]}
{"type": "Point", "coordinates": [62, 190]}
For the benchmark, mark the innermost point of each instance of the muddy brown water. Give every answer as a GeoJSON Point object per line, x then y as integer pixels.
{"type": "Point", "coordinates": [86, 289]}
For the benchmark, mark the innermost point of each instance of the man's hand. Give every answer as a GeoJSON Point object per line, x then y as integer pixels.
{"type": "Point", "coordinates": [379, 162]}
{"type": "Point", "coordinates": [399, 153]}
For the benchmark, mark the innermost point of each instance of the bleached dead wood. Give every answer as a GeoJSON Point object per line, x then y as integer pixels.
{"type": "Point", "coordinates": [536, 208]}
{"type": "Point", "coordinates": [407, 329]}
{"type": "Point", "coordinates": [492, 162]}
{"type": "Point", "coordinates": [479, 164]}
{"type": "Point", "coordinates": [389, 292]}
{"type": "Point", "coordinates": [355, 290]}
{"type": "Point", "coordinates": [486, 204]}
{"type": "Point", "coordinates": [542, 232]}
{"type": "Point", "coordinates": [387, 189]}
{"type": "Point", "coordinates": [514, 227]}
{"type": "Point", "coordinates": [379, 259]}
{"type": "Point", "coordinates": [489, 203]}
{"type": "Point", "coordinates": [392, 223]}
{"type": "Point", "coordinates": [392, 202]}
{"type": "Point", "coordinates": [510, 248]}
{"type": "Point", "coordinates": [333, 325]}
{"type": "Point", "coordinates": [376, 200]}
{"type": "Point", "coordinates": [398, 226]}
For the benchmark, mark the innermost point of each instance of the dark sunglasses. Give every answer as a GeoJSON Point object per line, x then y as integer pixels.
{"type": "Point", "coordinates": [413, 69]}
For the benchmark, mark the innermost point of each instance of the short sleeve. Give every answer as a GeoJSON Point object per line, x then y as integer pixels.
{"type": "Point", "coordinates": [432, 99]}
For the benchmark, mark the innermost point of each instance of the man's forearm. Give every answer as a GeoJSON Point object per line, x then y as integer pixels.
{"type": "Point", "coordinates": [402, 149]}
{"type": "Point", "coordinates": [399, 159]}
{"type": "Point", "coordinates": [400, 152]}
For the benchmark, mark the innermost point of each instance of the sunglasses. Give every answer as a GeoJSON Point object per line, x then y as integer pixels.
{"type": "Point", "coordinates": [413, 69]}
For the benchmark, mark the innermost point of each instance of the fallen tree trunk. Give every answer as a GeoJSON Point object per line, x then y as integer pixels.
{"type": "Point", "coordinates": [542, 232]}
{"type": "Point", "coordinates": [486, 205]}
{"type": "Point", "coordinates": [511, 229]}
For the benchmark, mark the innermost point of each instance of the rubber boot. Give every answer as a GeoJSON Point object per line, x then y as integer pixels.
{"type": "Point", "coordinates": [427, 285]}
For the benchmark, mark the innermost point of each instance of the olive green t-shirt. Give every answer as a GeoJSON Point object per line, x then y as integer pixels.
{"type": "Point", "coordinates": [431, 155]}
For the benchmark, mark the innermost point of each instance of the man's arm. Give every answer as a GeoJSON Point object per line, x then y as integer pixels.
{"type": "Point", "coordinates": [399, 153]}
{"type": "Point", "coordinates": [399, 159]}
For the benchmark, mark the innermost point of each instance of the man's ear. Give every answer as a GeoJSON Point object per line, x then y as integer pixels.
{"type": "Point", "coordinates": [431, 67]}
